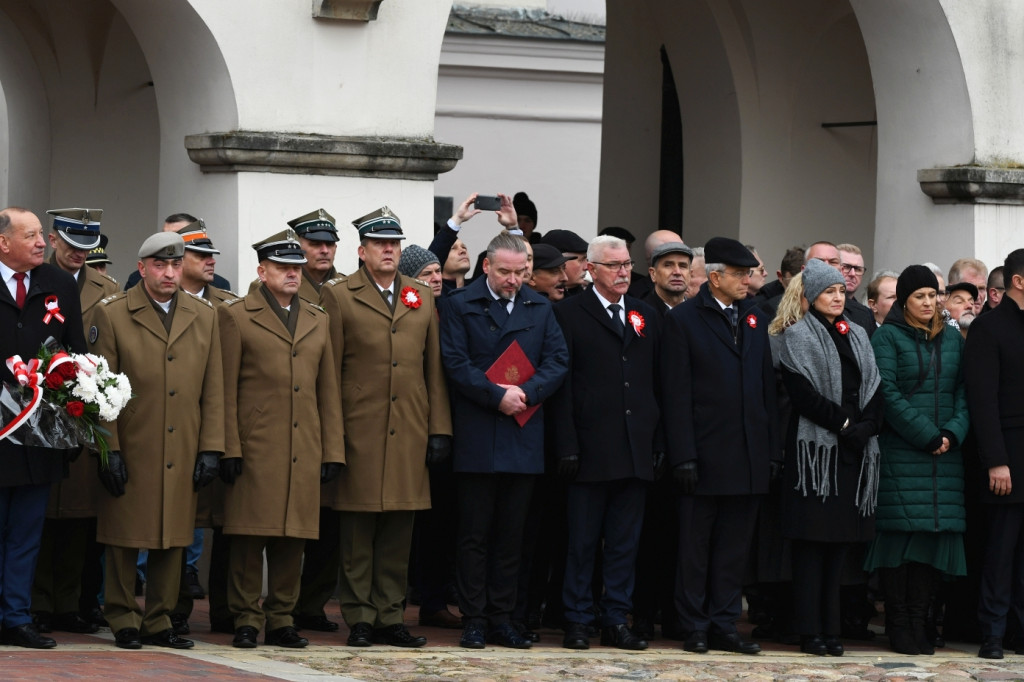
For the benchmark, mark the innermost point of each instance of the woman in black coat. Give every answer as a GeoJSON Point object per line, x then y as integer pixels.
{"type": "Point", "coordinates": [831, 471]}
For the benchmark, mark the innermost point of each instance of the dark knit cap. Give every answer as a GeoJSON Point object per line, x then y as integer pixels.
{"type": "Point", "coordinates": [914, 277]}
{"type": "Point", "coordinates": [524, 206]}
{"type": "Point", "coordinates": [818, 276]}
{"type": "Point", "coordinates": [414, 259]}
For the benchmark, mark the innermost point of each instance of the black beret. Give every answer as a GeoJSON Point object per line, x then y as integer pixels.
{"type": "Point", "coordinates": [729, 252]}
{"type": "Point", "coordinates": [565, 241]}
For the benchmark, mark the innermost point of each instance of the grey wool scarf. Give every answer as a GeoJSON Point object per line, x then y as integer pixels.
{"type": "Point", "coordinates": [808, 350]}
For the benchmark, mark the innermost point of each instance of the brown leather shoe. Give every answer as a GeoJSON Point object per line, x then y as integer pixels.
{"type": "Point", "coordinates": [441, 619]}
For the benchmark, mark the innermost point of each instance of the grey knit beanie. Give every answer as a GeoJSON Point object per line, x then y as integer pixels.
{"type": "Point", "coordinates": [414, 259]}
{"type": "Point", "coordinates": [818, 276]}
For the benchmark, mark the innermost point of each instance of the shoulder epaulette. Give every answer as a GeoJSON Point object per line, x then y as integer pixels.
{"type": "Point", "coordinates": [108, 277]}
{"type": "Point", "coordinates": [232, 301]}
{"type": "Point", "coordinates": [113, 297]}
{"type": "Point", "coordinates": [316, 307]}
{"type": "Point", "coordinates": [199, 298]}
{"type": "Point", "coordinates": [336, 280]}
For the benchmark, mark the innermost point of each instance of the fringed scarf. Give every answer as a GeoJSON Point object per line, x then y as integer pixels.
{"type": "Point", "coordinates": [808, 350]}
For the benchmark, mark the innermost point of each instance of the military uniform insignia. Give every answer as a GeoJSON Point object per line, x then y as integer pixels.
{"type": "Point", "coordinates": [94, 334]}
{"type": "Point", "coordinates": [110, 299]}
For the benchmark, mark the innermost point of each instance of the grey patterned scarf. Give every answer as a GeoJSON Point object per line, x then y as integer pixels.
{"type": "Point", "coordinates": [808, 350]}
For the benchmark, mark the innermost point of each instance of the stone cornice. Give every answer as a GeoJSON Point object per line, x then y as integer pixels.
{"type": "Point", "coordinates": [353, 10]}
{"type": "Point", "coordinates": [973, 185]}
{"type": "Point", "coordinates": [270, 152]}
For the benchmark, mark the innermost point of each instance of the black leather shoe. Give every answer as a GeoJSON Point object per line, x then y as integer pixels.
{"type": "Point", "coordinates": [620, 636]}
{"type": "Point", "coordinates": [245, 637]}
{"type": "Point", "coordinates": [472, 637]}
{"type": "Point", "coordinates": [525, 632]}
{"type": "Point", "coordinates": [225, 626]}
{"type": "Point", "coordinates": [179, 623]}
{"type": "Point", "coordinates": [732, 642]}
{"type": "Point", "coordinates": [27, 636]}
{"type": "Point", "coordinates": [643, 628]}
{"type": "Point", "coordinates": [991, 647]}
{"type": "Point", "coordinates": [167, 638]}
{"type": "Point", "coordinates": [72, 622]}
{"type": "Point", "coordinates": [813, 645]}
{"type": "Point", "coordinates": [576, 636]}
{"type": "Point", "coordinates": [286, 637]}
{"type": "Point", "coordinates": [360, 635]}
{"type": "Point", "coordinates": [43, 622]}
{"type": "Point", "coordinates": [834, 646]}
{"type": "Point", "coordinates": [397, 635]}
{"type": "Point", "coordinates": [696, 642]}
{"type": "Point", "coordinates": [127, 638]}
{"type": "Point", "coordinates": [507, 636]}
{"type": "Point", "coordinates": [318, 623]}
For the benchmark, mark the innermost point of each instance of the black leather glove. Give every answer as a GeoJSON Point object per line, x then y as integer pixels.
{"type": "Point", "coordinates": [439, 449]}
{"type": "Point", "coordinates": [774, 472]}
{"type": "Point", "coordinates": [660, 465]}
{"type": "Point", "coordinates": [685, 476]}
{"type": "Point", "coordinates": [329, 471]}
{"type": "Point", "coordinates": [207, 469]}
{"type": "Point", "coordinates": [855, 437]}
{"type": "Point", "coordinates": [115, 475]}
{"type": "Point", "coordinates": [568, 467]}
{"type": "Point", "coordinates": [230, 469]}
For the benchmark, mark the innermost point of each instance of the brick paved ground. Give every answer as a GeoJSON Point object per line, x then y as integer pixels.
{"type": "Point", "coordinates": [93, 657]}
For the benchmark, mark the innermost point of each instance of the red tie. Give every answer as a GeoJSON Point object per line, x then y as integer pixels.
{"type": "Point", "coordinates": [20, 289]}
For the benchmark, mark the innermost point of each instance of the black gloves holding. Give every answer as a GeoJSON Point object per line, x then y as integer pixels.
{"type": "Point", "coordinates": [439, 449]}
{"type": "Point", "coordinates": [207, 468]}
{"type": "Point", "coordinates": [115, 475]}
{"type": "Point", "coordinates": [230, 469]}
{"type": "Point", "coordinates": [329, 471]}
{"type": "Point", "coordinates": [685, 476]}
{"type": "Point", "coordinates": [855, 436]}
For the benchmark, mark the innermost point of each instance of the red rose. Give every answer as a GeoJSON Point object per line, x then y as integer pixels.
{"type": "Point", "coordinates": [54, 380]}
{"type": "Point", "coordinates": [75, 408]}
{"type": "Point", "coordinates": [68, 371]}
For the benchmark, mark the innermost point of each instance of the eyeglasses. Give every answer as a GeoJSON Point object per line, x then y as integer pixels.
{"type": "Point", "coordinates": [739, 275]}
{"type": "Point", "coordinates": [627, 264]}
{"type": "Point", "coordinates": [856, 269]}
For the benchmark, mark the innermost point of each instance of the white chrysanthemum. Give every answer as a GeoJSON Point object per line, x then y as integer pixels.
{"type": "Point", "coordinates": [87, 363]}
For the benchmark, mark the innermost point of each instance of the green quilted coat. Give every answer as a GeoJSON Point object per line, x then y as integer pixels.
{"type": "Point", "coordinates": [924, 394]}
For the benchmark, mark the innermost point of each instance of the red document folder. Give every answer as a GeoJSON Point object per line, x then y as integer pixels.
{"type": "Point", "coordinates": [514, 368]}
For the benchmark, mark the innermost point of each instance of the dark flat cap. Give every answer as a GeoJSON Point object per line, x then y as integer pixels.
{"type": "Point", "coordinates": [566, 241]}
{"type": "Point", "coordinates": [547, 257]}
{"type": "Point", "coordinates": [670, 247]}
{"type": "Point", "coordinates": [971, 290]}
{"type": "Point", "coordinates": [729, 252]}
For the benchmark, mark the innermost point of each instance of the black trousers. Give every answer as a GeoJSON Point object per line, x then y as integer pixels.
{"type": "Point", "coordinates": [656, 557]}
{"type": "Point", "coordinates": [1002, 576]}
{"type": "Point", "coordinates": [817, 569]}
{"type": "Point", "coordinates": [492, 513]}
{"type": "Point", "coordinates": [715, 532]}
{"type": "Point", "coordinates": [434, 541]}
{"type": "Point", "coordinates": [320, 566]}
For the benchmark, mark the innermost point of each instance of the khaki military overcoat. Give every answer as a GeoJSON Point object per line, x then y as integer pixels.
{"type": "Point", "coordinates": [393, 392]}
{"type": "Point", "coordinates": [282, 411]}
{"type": "Point", "coordinates": [75, 497]}
{"type": "Point", "coordinates": [177, 411]}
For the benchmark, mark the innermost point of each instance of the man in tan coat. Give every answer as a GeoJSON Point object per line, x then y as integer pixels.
{"type": "Point", "coordinates": [167, 442]}
{"type": "Point", "coordinates": [274, 345]}
{"type": "Point", "coordinates": [384, 329]}
{"type": "Point", "coordinates": [70, 527]}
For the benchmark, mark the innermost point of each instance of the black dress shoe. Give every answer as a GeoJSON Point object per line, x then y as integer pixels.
{"type": "Point", "coordinates": [507, 636]}
{"type": "Point", "coordinates": [167, 638]}
{"type": "Point", "coordinates": [398, 635]}
{"type": "Point", "coordinates": [834, 646]}
{"type": "Point", "coordinates": [127, 638]}
{"type": "Point", "coordinates": [620, 636]}
{"type": "Point", "coordinates": [318, 623]}
{"type": "Point", "coordinates": [286, 637]}
{"type": "Point", "coordinates": [43, 622]}
{"type": "Point", "coordinates": [225, 626]}
{"type": "Point", "coordinates": [732, 642]}
{"type": "Point", "coordinates": [72, 622]}
{"type": "Point", "coordinates": [27, 636]}
{"type": "Point", "coordinates": [245, 637]}
{"type": "Point", "coordinates": [472, 637]}
{"type": "Point", "coordinates": [179, 623]}
{"type": "Point", "coordinates": [576, 637]}
{"type": "Point", "coordinates": [361, 635]}
{"type": "Point", "coordinates": [991, 647]}
{"type": "Point", "coordinates": [643, 628]}
{"type": "Point", "coordinates": [813, 645]}
{"type": "Point", "coordinates": [696, 642]}
{"type": "Point", "coordinates": [525, 632]}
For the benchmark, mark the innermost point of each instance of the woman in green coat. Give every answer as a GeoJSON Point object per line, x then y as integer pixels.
{"type": "Point", "coordinates": [920, 519]}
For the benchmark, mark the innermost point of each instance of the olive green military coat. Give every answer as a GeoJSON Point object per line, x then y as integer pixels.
{"type": "Point", "coordinates": [177, 411]}
{"type": "Point", "coordinates": [282, 412]}
{"type": "Point", "coordinates": [75, 497]}
{"type": "Point", "coordinates": [393, 392]}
